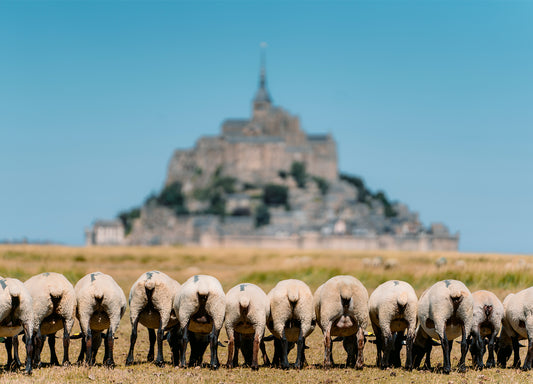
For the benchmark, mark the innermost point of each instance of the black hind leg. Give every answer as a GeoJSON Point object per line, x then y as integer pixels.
{"type": "Point", "coordinates": [52, 344]}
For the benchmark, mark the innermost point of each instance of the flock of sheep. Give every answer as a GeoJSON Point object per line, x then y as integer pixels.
{"type": "Point", "coordinates": [194, 313]}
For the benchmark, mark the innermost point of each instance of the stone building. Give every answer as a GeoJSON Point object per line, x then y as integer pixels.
{"type": "Point", "coordinates": [105, 232]}
{"type": "Point", "coordinates": [258, 148]}
{"type": "Point", "coordinates": [222, 182]}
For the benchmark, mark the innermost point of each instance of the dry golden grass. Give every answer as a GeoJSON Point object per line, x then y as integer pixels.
{"type": "Point", "coordinates": [499, 273]}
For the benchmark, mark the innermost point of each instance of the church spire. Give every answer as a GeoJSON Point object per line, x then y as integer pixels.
{"type": "Point", "coordinates": [262, 98]}
{"type": "Point", "coordinates": [262, 76]}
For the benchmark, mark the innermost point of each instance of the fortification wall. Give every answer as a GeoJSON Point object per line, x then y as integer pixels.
{"type": "Point", "coordinates": [385, 242]}
{"type": "Point", "coordinates": [160, 226]}
{"type": "Point", "coordinates": [322, 160]}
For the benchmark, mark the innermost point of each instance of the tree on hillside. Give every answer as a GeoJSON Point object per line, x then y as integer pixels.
{"type": "Point", "coordinates": [262, 216]}
{"type": "Point", "coordinates": [298, 173]}
{"type": "Point", "coordinates": [362, 192]}
{"type": "Point", "coordinates": [275, 195]}
{"type": "Point", "coordinates": [389, 210]}
{"type": "Point", "coordinates": [172, 197]}
{"type": "Point", "coordinates": [127, 218]}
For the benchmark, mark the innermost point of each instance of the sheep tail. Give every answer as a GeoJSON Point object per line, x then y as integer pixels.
{"type": "Point", "coordinates": [345, 292]}
{"type": "Point", "coordinates": [55, 292]}
{"type": "Point", "coordinates": [293, 295]}
{"type": "Point", "coordinates": [244, 303]}
{"type": "Point", "coordinates": [203, 288]}
{"type": "Point", "coordinates": [401, 301]}
{"type": "Point", "coordinates": [99, 296]}
{"type": "Point", "coordinates": [149, 286]}
{"type": "Point", "coordinates": [14, 291]}
{"type": "Point", "coordinates": [457, 296]}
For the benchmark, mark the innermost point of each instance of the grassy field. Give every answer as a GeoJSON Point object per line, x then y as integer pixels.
{"type": "Point", "coordinates": [501, 274]}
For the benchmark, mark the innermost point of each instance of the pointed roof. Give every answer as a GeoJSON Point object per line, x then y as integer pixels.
{"type": "Point", "coordinates": [262, 95]}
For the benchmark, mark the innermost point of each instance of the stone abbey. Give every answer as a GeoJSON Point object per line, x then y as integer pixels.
{"type": "Point", "coordinates": [241, 189]}
{"type": "Point", "coordinates": [256, 149]}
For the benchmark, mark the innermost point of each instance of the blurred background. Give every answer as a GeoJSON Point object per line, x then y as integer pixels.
{"type": "Point", "coordinates": [428, 101]}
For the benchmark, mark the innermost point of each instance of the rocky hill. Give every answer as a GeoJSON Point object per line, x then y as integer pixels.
{"type": "Point", "coordinates": [265, 182]}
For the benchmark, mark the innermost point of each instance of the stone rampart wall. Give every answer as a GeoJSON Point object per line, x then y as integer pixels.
{"type": "Point", "coordinates": [385, 242]}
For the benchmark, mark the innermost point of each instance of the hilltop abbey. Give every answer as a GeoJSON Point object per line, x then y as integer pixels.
{"type": "Point", "coordinates": [256, 149]}
{"type": "Point", "coordinates": [264, 182]}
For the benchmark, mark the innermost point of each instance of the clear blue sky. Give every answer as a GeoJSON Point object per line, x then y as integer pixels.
{"type": "Point", "coordinates": [428, 100]}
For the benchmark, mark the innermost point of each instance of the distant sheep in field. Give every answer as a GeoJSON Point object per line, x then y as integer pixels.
{"type": "Point", "coordinates": [54, 308]}
{"type": "Point", "coordinates": [341, 307]}
{"type": "Point", "coordinates": [391, 264]}
{"type": "Point", "coordinates": [101, 305]}
{"type": "Point", "coordinates": [441, 262]}
{"type": "Point", "coordinates": [292, 319]}
{"type": "Point", "coordinates": [393, 309]}
{"type": "Point", "coordinates": [487, 321]}
{"type": "Point", "coordinates": [444, 313]}
{"type": "Point", "coordinates": [16, 315]}
{"type": "Point", "coordinates": [519, 265]}
{"type": "Point", "coordinates": [201, 307]}
{"type": "Point", "coordinates": [151, 303]}
{"type": "Point", "coordinates": [517, 325]}
{"type": "Point", "coordinates": [247, 311]}
{"type": "Point", "coordinates": [374, 262]}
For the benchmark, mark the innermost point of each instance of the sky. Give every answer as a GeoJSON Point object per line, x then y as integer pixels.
{"type": "Point", "coordinates": [429, 101]}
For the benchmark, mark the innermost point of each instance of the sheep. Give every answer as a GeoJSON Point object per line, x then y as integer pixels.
{"type": "Point", "coordinates": [444, 313]}
{"type": "Point", "coordinates": [292, 318]}
{"type": "Point", "coordinates": [374, 262]}
{"type": "Point", "coordinates": [101, 305]}
{"type": "Point", "coordinates": [487, 320]}
{"type": "Point", "coordinates": [151, 302]}
{"type": "Point", "coordinates": [505, 345]}
{"type": "Point", "coordinates": [341, 310]}
{"type": "Point", "coordinates": [16, 315]}
{"type": "Point", "coordinates": [441, 262]}
{"type": "Point", "coordinates": [54, 307]}
{"type": "Point", "coordinates": [247, 311]}
{"type": "Point", "coordinates": [201, 307]}
{"type": "Point", "coordinates": [393, 309]}
{"type": "Point", "coordinates": [517, 325]}
{"type": "Point", "coordinates": [422, 346]}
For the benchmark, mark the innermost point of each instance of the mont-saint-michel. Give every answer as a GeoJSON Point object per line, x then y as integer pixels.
{"type": "Point", "coordinates": [264, 182]}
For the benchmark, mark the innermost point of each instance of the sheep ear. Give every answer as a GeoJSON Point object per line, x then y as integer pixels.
{"type": "Point", "coordinates": [434, 342]}
{"type": "Point", "coordinates": [338, 338]}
